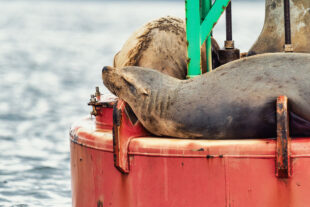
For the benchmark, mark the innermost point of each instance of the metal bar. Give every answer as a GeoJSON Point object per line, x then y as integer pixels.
{"type": "Point", "coordinates": [209, 54]}
{"type": "Point", "coordinates": [287, 22]}
{"type": "Point", "coordinates": [123, 131]}
{"type": "Point", "coordinates": [205, 8]}
{"type": "Point", "coordinates": [193, 37]}
{"type": "Point", "coordinates": [228, 23]}
{"type": "Point", "coordinates": [211, 19]}
{"type": "Point", "coordinates": [283, 139]}
{"type": "Point", "coordinates": [198, 31]}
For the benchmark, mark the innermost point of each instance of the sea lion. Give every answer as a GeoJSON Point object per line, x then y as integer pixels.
{"type": "Point", "coordinates": [235, 101]}
{"type": "Point", "coordinates": [160, 44]}
{"type": "Point", "coordinates": [271, 38]}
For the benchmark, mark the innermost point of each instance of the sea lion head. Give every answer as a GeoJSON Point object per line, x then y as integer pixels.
{"type": "Point", "coordinates": [134, 82]}
{"type": "Point", "coordinates": [145, 90]}
{"type": "Point", "coordinates": [122, 82]}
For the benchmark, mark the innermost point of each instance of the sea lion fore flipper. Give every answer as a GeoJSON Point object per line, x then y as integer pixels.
{"type": "Point", "coordinates": [299, 127]}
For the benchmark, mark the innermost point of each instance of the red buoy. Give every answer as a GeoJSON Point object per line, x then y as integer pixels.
{"type": "Point", "coordinates": [115, 162]}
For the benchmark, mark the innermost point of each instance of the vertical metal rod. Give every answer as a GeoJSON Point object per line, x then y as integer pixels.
{"type": "Point", "coordinates": [209, 54]}
{"type": "Point", "coordinates": [218, 7]}
{"type": "Point", "coordinates": [228, 23]}
{"type": "Point", "coordinates": [287, 22]}
{"type": "Point", "coordinates": [207, 7]}
{"type": "Point", "coordinates": [193, 37]}
{"type": "Point", "coordinates": [283, 154]}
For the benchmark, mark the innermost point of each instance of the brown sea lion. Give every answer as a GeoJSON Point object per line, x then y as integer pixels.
{"type": "Point", "coordinates": [271, 38]}
{"type": "Point", "coordinates": [238, 100]}
{"type": "Point", "coordinates": [160, 45]}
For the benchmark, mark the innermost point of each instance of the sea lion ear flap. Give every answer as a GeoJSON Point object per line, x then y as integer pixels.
{"type": "Point", "coordinates": [135, 84]}
{"type": "Point", "coordinates": [144, 91]}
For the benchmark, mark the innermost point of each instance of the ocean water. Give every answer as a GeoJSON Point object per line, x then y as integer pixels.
{"type": "Point", "coordinates": [51, 55]}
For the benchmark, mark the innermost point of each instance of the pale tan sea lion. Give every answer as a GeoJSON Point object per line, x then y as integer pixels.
{"type": "Point", "coordinates": [238, 100]}
{"type": "Point", "coordinates": [271, 38]}
{"type": "Point", "coordinates": [161, 45]}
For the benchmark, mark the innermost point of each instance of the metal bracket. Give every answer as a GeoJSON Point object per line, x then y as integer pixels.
{"type": "Point", "coordinates": [228, 55]}
{"type": "Point", "coordinates": [288, 48]}
{"type": "Point", "coordinates": [125, 127]}
{"type": "Point", "coordinates": [94, 102]}
{"type": "Point", "coordinates": [99, 101]}
{"type": "Point", "coordinates": [283, 161]}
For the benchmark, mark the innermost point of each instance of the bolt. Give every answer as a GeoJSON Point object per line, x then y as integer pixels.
{"type": "Point", "coordinates": [97, 94]}
{"type": "Point", "coordinates": [92, 99]}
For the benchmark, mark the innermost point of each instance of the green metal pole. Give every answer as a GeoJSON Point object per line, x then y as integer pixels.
{"type": "Point", "coordinates": [212, 17]}
{"type": "Point", "coordinates": [205, 8]}
{"type": "Point", "coordinates": [209, 53]}
{"type": "Point", "coordinates": [193, 37]}
{"type": "Point", "coordinates": [200, 20]}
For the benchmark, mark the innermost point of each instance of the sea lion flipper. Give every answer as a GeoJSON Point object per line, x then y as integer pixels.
{"type": "Point", "coordinates": [299, 126]}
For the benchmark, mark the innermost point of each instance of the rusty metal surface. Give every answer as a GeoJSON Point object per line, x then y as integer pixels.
{"type": "Point", "coordinates": [102, 109]}
{"type": "Point", "coordinates": [184, 172]}
{"type": "Point", "coordinates": [177, 172]}
{"type": "Point", "coordinates": [171, 180]}
{"type": "Point", "coordinates": [283, 166]}
{"type": "Point", "coordinates": [124, 129]}
{"type": "Point", "coordinates": [228, 55]}
{"type": "Point", "coordinates": [229, 44]}
{"type": "Point", "coordinates": [288, 48]}
{"type": "Point", "coordinates": [99, 101]}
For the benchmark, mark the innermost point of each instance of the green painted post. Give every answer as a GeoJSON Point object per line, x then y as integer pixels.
{"type": "Point", "coordinates": [198, 30]}
{"type": "Point", "coordinates": [193, 37]}
{"type": "Point", "coordinates": [209, 53]}
{"type": "Point", "coordinates": [212, 17]}
{"type": "Point", "coordinates": [205, 8]}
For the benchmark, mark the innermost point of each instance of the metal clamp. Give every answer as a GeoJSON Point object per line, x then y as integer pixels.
{"type": "Point", "coordinates": [99, 101]}
{"type": "Point", "coordinates": [283, 161]}
{"type": "Point", "coordinates": [94, 102]}
{"type": "Point", "coordinates": [125, 127]}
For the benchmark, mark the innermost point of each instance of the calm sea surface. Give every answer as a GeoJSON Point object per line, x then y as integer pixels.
{"type": "Point", "coordinates": [51, 55]}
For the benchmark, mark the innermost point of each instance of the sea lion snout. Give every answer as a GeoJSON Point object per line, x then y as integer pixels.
{"type": "Point", "coordinates": [106, 68]}
{"type": "Point", "coordinates": [108, 77]}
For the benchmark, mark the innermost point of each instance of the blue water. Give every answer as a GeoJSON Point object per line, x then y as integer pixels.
{"type": "Point", "coordinates": [51, 55]}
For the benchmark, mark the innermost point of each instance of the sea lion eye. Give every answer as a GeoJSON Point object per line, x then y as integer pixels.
{"type": "Point", "coordinates": [131, 87]}
{"type": "Point", "coordinates": [135, 87]}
